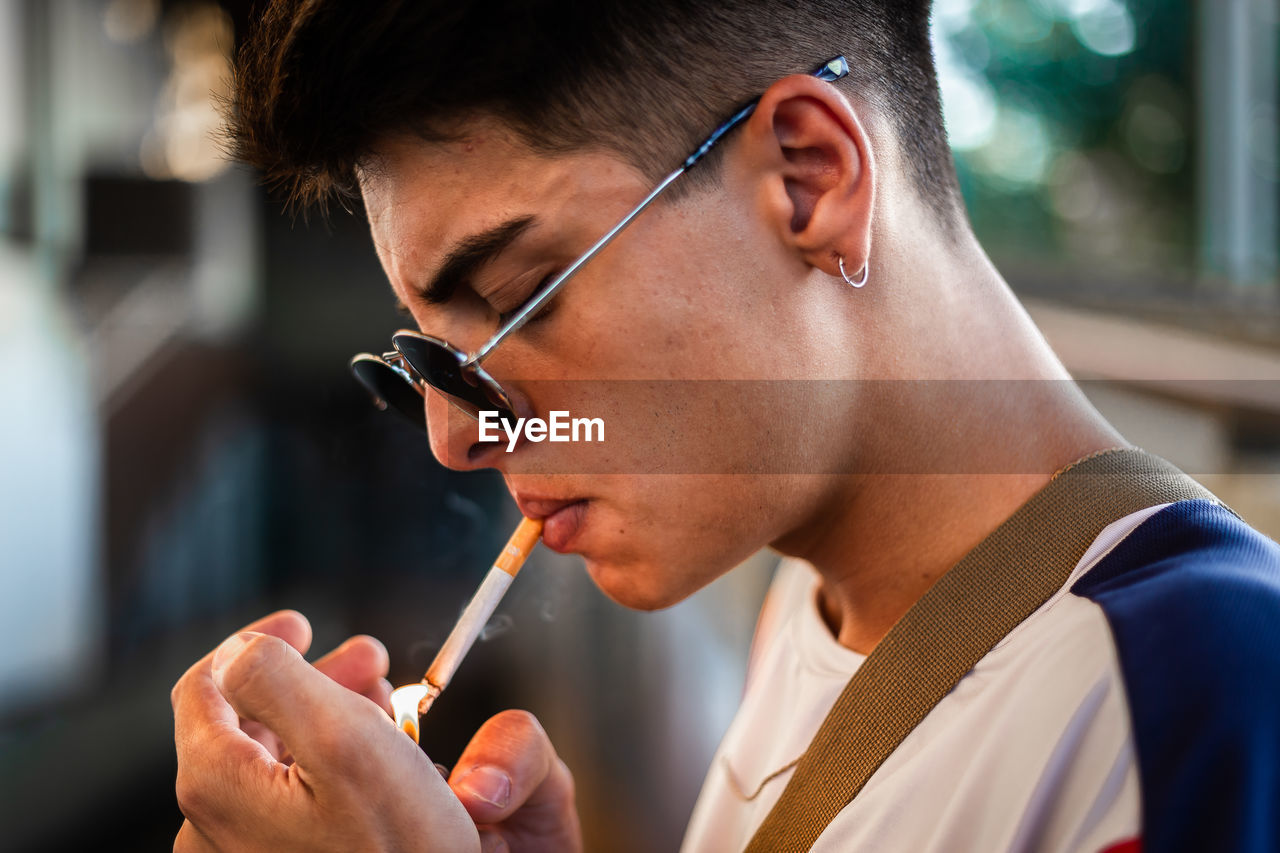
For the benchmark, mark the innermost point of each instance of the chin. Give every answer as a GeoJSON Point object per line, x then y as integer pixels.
{"type": "Point", "coordinates": [636, 585]}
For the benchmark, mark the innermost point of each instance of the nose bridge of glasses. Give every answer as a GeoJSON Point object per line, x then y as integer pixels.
{"type": "Point", "coordinates": [402, 368]}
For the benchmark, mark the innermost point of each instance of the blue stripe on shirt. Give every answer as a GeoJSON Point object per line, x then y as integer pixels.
{"type": "Point", "coordinates": [1192, 597]}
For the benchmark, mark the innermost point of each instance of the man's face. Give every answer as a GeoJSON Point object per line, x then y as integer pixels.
{"type": "Point", "coordinates": [701, 289]}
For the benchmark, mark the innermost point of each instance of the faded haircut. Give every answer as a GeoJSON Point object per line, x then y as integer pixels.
{"type": "Point", "coordinates": [318, 83]}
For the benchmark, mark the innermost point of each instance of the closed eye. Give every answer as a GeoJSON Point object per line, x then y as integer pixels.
{"type": "Point", "coordinates": [540, 314]}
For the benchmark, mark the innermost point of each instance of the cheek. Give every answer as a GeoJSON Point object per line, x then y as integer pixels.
{"type": "Point", "coordinates": [660, 308]}
{"type": "Point", "coordinates": [674, 535]}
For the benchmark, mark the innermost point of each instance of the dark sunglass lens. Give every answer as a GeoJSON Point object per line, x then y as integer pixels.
{"type": "Point", "coordinates": [496, 400]}
{"type": "Point", "coordinates": [442, 369]}
{"type": "Point", "coordinates": [389, 389]}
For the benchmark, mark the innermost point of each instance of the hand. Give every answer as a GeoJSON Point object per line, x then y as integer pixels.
{"type": "Point", "coordinates": [517, 789]}
{"type": "Point", "coordinates": [277, 755]}
{"type": "Point", "coordinates": [360, 664]}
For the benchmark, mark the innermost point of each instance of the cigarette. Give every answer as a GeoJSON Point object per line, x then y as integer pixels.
{"type": "Point", "coordinates": [413, 701]}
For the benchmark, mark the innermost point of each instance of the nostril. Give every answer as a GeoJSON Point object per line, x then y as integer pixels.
{"type": "Point", "coordinates": [478, 449]}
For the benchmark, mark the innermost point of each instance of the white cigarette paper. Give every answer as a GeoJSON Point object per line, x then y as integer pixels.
{"type": "Point", "coordinates": [410, 702]}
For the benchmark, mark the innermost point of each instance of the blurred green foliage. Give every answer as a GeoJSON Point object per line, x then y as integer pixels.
{"type": "Point", "coordinates": [1073, 126]}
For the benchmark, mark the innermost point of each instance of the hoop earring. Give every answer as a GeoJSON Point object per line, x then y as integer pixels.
{"type": "Point", "coordinates": [866, 270]}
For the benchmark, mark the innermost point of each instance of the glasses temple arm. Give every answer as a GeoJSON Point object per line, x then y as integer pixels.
{"type": "Point", "coordinates": [522, 316]}
{"type": "Point", "coordinates": [829, 71]}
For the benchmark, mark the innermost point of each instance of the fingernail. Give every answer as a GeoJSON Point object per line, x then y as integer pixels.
{"type": "Point", "coordinates": [227, 652]}
{"type": "Point", "coordinates": [489, 784]}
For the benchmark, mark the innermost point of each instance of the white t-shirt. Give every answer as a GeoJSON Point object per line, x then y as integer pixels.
{"type": "Point", "coordinates": [1031, 751]}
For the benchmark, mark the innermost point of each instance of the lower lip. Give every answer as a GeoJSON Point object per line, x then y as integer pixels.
{"type": "Point", "coordinates": [560, 528]}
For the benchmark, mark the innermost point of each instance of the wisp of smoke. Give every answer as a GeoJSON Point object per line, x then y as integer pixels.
{"type": "Point", "coordinates": [497, 626]}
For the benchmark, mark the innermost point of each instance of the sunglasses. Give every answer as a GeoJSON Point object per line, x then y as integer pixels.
{"type": "Point", "coordinates": [399, 379]}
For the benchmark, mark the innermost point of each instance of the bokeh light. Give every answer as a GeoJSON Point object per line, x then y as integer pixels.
{"type": "Point", "coordinates": [184, 143]}
{"type": "Point", "coordinates": [1061, 106]}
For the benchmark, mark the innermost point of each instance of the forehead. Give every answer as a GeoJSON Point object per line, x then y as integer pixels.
{"type": "Point", "coordinates": [423, 197]}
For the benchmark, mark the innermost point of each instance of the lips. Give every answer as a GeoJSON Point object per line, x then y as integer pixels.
{"type": "Point", "coordinates": [561, 518]}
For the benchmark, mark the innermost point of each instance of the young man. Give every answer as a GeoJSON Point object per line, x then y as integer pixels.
{"type": "Point", "coordinates": [798, 344]}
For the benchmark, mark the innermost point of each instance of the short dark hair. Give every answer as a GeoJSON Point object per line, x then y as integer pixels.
{"type": "Point", "coordinates": [319, 82]}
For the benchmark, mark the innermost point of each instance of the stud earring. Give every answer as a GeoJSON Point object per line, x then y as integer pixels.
{"type": "Point", "coordinates": [866, 270]}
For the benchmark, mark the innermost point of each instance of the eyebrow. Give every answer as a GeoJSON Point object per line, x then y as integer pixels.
{"type": "Point", "coordinates": [469, 255]}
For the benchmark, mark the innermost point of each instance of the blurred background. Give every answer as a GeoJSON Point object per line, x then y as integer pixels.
{"type": "Point", "coordinates": [182, 449]}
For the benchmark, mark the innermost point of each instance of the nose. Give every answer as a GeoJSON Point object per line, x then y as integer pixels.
{"type": "Point", "coordinates": [454, 436]}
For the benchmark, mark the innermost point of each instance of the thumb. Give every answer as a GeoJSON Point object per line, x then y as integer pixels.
{"type": "Point", "coordinates": [321, 723]}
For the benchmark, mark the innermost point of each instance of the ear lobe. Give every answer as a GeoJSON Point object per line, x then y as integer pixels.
{"type": "Point", "coordinates": [822, 177]}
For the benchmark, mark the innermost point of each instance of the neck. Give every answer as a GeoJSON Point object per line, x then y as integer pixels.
{"type": "Point", "coordinates": [977, 420]}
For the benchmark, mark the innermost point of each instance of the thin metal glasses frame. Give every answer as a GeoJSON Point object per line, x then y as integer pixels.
{"type": "Point", "coordinates": [469, 364]}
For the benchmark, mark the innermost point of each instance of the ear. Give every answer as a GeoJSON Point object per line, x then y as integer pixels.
{"type": "Point", "coordinates": [812, 166]}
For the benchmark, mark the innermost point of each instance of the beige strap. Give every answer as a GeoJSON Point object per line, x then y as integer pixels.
{"type": "Point", "coordinates": [955, 624]}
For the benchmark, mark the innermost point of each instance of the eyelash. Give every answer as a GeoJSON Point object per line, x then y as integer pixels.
{"type": "Point", "coordinates": [541, 314]}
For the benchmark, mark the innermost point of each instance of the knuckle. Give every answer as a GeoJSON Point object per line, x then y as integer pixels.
{"type": "Point", "coordinates": [205, 787]}
{"type": "Point", "coordinates": [192, 839]}
{"type": "Point", "coordinates": [180, 686]}
{"type": "Point", "coordinates": [192, 796]}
